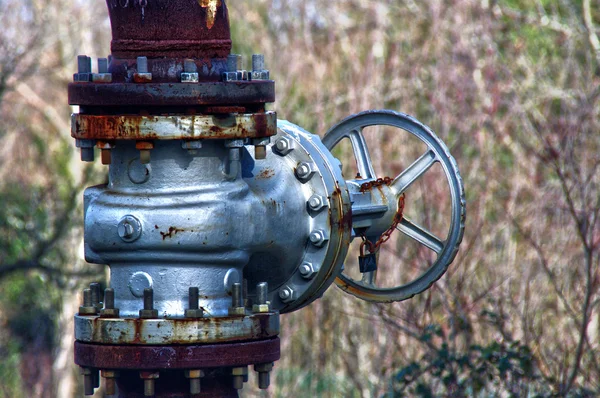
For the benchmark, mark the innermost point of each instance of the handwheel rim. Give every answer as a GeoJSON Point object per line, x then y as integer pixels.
{"type": "Point", "coordinates": [458, 209]}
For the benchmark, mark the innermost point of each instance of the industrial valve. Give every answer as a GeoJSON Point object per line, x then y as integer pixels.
{"type": "Point", "coordinates": [217, 217]}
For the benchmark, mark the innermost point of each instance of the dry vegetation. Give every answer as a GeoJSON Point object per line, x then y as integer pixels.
{"type": "Point", "coordinates": [513, 88]}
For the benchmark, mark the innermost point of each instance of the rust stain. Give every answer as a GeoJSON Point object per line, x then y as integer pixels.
{"type": "Point", "coordinates": [211, 12]}
{"type": "Point", "coordinates": [266, 173]}
{"type": "Point", "coordinates": [172, 231]}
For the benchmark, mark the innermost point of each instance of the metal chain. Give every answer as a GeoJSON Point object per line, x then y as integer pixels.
{"type": "Point", "coordinates": [373, 247]}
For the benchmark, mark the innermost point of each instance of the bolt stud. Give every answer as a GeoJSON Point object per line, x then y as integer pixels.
{"type": "Point", "coordinates": [88, 308]}
{"type": "Point", "coordinates": [148, 312]}
{"type": "Point", "coordinates": [194, 376]}
{"type": "Point", "coordinates": [240, 375]}
{"type": "Point", "coordinates": [264, 374]}
{"type": "Point", "coordinates": [237, 300]}
{"type": "Point", "coordinates": [88, 381]}
{"type": "Point", "coordinates": [262, 297]}
{"type": "Point", "coordinates": [193, 311]}
{"type": "Point", "coordinates": [109, 310]}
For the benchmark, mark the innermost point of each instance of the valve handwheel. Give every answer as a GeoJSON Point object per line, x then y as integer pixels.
{"type": "Point", "coordinates": [437, 152]}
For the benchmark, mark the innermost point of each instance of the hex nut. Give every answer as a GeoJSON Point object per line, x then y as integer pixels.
{"type": "Point", "coordinates": [194, 373]}
{"type": "Point", "coordinates": [307, 270]}
{"type": "Point", "coordinates": [261, 308]}
{"type": "Point", "coordinates": [259, 75]}
{"type": "Point", "coordinates": [239, 371]}
{"type": "Point", "coordinates": [317, 202]}
{"type": "Point", "coordinates": [109, 313]}
{"type": "Point", "coordinates": [305, 171]}
{"type": "Point", "coordinates": [194, 313]}
{"type": "Point", "coordinates": [286, 294]}
{"type": "Point", "coordinates": [283, 146]}
{"type": "Point", "coordinates": [187, 77]}
{"type": "Point", "coordinates": [237, 311]}
{"type": "Point", "coordinates": [148, 314]}
{"type": "Point", "coordinates": [318, 237]}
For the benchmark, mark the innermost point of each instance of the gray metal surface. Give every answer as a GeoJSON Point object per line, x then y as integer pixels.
{"type": "Point", "coordinates": [364, 210]}
{"type": "Point", "coordinates": [210, 218]}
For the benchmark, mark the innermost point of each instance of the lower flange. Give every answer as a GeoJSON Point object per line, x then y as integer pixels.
{"type": "Point", "coordinates": [102, 356]}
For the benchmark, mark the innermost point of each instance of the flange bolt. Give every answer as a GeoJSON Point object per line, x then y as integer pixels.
{"type": "Point", "coordinates": [237, 300]}
{"type": "Point", "coordinates": [148, 312]}
{"type": "Point", "coordinates": [109, 310]}
{"type": "Point", "coordinates": [193, 311]}
{"type": "Point", "coordinates": [318, 237]}
{"type": "Point", "coordinates": [262, 297]}
{"type": "Point", "coordinates": [316, 202]}
{"type": "Point", "coordinates": [304, 171]}
{"type": "Point", "coordinates": [286, 294]}
{"type": "Point", "coordinates": [264, 374]}
{"type": "Point", "coordinates": [307, 270]}
{"type": "Point", "coordinates": [88, 307]}
{"type": "Point", "coordinates": [283, 146]}
{"type": "Point", "coordinates": [194, 375]}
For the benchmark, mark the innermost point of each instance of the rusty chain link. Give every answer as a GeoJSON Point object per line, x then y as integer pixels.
{"type": "Point", "coordinates": [373, 247]}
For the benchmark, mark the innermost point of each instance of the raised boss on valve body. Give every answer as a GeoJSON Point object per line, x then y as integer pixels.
{"type": "Point", "coordinates": [217, 217]}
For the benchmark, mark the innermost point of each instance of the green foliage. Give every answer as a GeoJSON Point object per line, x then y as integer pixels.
{"type": "Point", "coordinates": [505, 367]}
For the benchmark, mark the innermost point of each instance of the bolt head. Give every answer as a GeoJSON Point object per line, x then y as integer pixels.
{"type": "Point", "coordinates": [286, 294]}
{"type": "Point", "coordinates": [318, 237]}
{"type": "Point", "coordinates": [283, 146]}
{"type": "Point", "coordinates": [316, 202]}
{"type": "Point", "coordinates": [129, 229]}
{"type": "Point", "coordinates": [307, 270]}
{"type": "Point", "coordinates": [304, 171]}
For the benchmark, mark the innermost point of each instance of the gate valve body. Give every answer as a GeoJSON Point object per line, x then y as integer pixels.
{"type": "Point", "coordinates": [217, 217]}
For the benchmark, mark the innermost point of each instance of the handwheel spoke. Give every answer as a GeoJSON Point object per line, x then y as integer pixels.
{"type": "Point", "coordinates": [413, 172]}
{"type": "Point", "coordinates": [421, 235]}
{"type": "Point", "coordinates": [361, 152]}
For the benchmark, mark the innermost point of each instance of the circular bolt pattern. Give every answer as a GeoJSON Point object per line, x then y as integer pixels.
{"type": "Point", "coordinates": [286, 294]}
{"type": "Point", "coordinates": [318, 237]}
{"type": "Point", "coordinates": [129, 229]}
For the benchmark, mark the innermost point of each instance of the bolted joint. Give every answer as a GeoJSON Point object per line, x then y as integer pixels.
{"type": "Point", "coordinates": [286, 294]}
{"type": "Point", "coordinates": [307, 270]}
{"type": "Point", "coordinates": [237, 301]}
{"type": "Point", "coordinates": [194, 375]}
{"type": "Point", "coordinates": [305, 171]}
{"type": "Point", "coordinates": [319, 237]}
{"type": "Point", "coordinates": [283, 146]}
{"type": "Point", "coordinates": [264, 374]}
{"type": "Point", "coordinates": [142, 75]}
{"type": "Point", "coordinates": [109, 381]}
{"type": "Point", "coordinates": [316, 202]}
{"type": "Point", "coordinates": [88, 381]}
{"type": "Point", "coordinates": [105, 148]}
{"type": "Point", "coordinates": [109, 310]}
{"type": "Point", "coordinates": [148, 312]}
{"type": "Point", "coordinates": [88, 307]}
{"type": "Point", "coordinates": [240, 375]}
{"type": "Point", "coordinates": [102, 76]}
{"type": "Point", "coordinates": [260, 147]}
{"type": "Point", "coordinates": [193, 311]}
{"type": "Point", "coordinates": [87, 149]}
{"type": "Point", "coordinates": [149, 378]}
{"type": "Point", "coordinates": [190, 72]}
{"type": "Point", "coordinates": [262, 303]}
{"type": "Point", "coordinates": [84, 69]}
{"type": "Point", "coordinates": [129, 229]}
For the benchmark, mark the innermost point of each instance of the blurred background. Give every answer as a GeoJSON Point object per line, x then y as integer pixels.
{"type": "Point", "coordinates": [512, 87]}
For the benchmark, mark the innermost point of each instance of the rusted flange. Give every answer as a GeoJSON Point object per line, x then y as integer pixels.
{"type": "Point", "coordinates": [93, 329]}
{"type": "Point", "coordinates": [207, 356]}
{"type": "Point", "coordinates": [231, 126]}
{"type": "Point", "coordinates": [172, 94]}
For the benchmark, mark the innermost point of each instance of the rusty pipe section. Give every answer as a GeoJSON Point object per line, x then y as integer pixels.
{"type": "Point", "coordinates": [168, 32]}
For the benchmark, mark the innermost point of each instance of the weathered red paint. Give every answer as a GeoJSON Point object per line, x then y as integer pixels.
{"type": "Point", "coordinates": [143, 357]}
